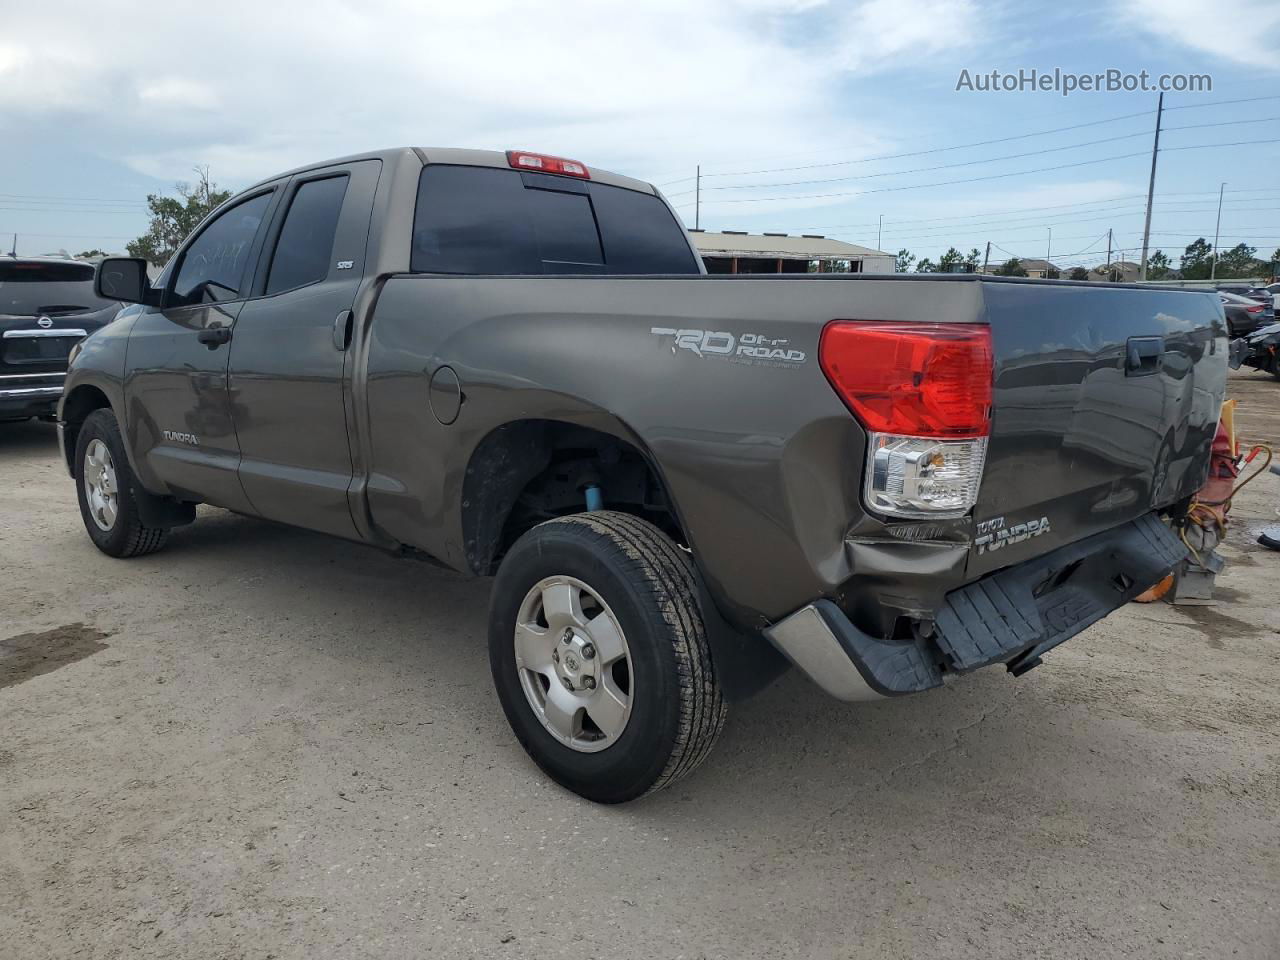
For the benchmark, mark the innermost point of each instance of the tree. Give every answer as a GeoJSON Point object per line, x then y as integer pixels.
{"type": "Point", "coordinates": [972, 260]}
{"type": "Point", "coordinates": [1197, 260]}
{"type": "Point", "coordinates": [905, 259]}
{"type": "Point", "coordinates": [950, 261]}
{"type": "Point", "coordinates": [1157, 266]}
{"type": "Point", "coordinates": [1239, 261]}
{"type": "Point", "coordinates": [1011, 268]}
{"type": "Point", "coordinates": [172, 220]}
{"type": "Point", "coordinates": [91, 254]}
{"type": "Point", "coordinates": [1079, 273]}
{"type": "Point", "coordinates": [926, 266]}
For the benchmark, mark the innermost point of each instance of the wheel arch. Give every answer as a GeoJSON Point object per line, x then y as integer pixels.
{"type": "Point", "coordinates": [75, 408]}
{"type": "Point", "coordinates": [547, 460]}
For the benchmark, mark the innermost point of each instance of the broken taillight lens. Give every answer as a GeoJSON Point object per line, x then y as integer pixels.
{"type": "Point", "coordinates": [923, 391]}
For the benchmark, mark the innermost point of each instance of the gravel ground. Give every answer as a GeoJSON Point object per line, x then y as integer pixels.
{"type": "Point", "coordinates": [265, 743]}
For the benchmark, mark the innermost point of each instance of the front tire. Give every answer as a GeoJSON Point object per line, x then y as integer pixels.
{"type": "Point", "coordinates": [600, 656]}
{"type": "Point", "coordinates": [109, 492]}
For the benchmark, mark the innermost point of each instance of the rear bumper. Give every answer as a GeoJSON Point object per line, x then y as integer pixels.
{"type": "Point", "coordinates": [1012, 616]}
{"type": "Point", "coordinates": [29, 401]}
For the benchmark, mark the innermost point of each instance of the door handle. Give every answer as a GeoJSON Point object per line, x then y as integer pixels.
{"type": "Point", "coordinates": [1142, 356]}
{"type": "Point", "coordinates": [214, 337]}
{"type": "Point", "coordinates": [342, 330]}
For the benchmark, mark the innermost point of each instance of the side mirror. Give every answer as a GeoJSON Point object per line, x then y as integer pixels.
{"type": "Point", "coordinates": [125, 279]}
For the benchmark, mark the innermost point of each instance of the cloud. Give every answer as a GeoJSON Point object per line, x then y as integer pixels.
{"type": "Point", "coordinates": [1246, 32]}
{"type": "Point", "coordinates": [649, 88]}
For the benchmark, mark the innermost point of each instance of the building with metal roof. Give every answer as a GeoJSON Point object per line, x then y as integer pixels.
{"type": "Point", "coordinates": [734, 251]}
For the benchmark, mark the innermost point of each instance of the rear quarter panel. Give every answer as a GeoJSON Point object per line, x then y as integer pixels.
{"type": "Point", "coordinates": [762, 459]}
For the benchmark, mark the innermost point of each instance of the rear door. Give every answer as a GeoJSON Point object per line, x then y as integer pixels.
{"type": "Point", "coordinates": [289, 362]}
{"type": "Point", "coordinates": [177, 405]}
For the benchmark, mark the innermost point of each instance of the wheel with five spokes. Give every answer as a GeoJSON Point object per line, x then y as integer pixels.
{"type": "Point", "coordinates": [600, 655]}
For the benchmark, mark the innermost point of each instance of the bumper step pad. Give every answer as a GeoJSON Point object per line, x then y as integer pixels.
{"type": "Point", "coordinates": [1031, 608]}
{"type": "Point", "coordinates": [1011, 616]}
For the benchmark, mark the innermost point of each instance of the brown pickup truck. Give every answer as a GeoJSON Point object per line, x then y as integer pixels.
{"type": "Point", "coordinates": [515, 365]}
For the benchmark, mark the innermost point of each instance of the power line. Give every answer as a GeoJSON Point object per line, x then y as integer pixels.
{"type": "Point", "coordinates": [940, 183]}
{"type": "Point", "coordinates": [1027, 210]}
{"type": "Point", "coordinates": [983, 143]}
{"type": "Point", "coordinates": [998, 176]}
{"type": "Point", "coordinates": [1220, 103]}
{"type": "Point", "coordinates": [945, 166]}
{"type": "Point", "coordinates": [920, 153]}
{"type": "Point", "coordinates": [969, 163]}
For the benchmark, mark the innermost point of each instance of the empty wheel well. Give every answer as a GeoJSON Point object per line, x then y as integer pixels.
{"type": "Point", "coordinates": [534, 470]}
{"type": "Point", "coordinates": [81, 402]}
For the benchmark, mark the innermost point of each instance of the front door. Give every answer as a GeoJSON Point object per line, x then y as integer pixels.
{"type": "Point", "coordinates": [289, 361]}
{"type": "Point", "coordinates": [178, 408]}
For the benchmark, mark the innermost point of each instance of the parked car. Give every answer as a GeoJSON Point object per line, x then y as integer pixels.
{"type": "Point", "coordinates": [1246, 290]}
{"type": "Point", "coordinates": [516, 365]}
{"type": "Point", "coordinates": [1262, 349]}
{"type": "Point", "coordinates": [1244, 314]}
{"type": "Point", "coordinates": [47, 305]}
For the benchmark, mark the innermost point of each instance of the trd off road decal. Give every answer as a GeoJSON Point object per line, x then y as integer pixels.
{"type": "Point", "coordinates": [753, 348]}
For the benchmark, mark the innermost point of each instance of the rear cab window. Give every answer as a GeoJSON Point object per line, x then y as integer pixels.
{"type": "Point", "coordinates": [485, 220]}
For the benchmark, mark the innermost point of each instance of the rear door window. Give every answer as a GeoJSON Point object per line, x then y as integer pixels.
{"type": "Point", "coordinates": [305, 246]}
{"type": "Point", "coordinates": [482, 220]}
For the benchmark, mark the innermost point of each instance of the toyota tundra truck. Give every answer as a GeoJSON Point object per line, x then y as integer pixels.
{"type": "Point", "coordinates": [682, 484]}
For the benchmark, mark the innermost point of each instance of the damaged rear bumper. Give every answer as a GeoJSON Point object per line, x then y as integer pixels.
{"type": "Point", "coordinates": [1012, 616]}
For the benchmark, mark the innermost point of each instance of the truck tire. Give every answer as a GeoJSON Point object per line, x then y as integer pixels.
{"type": "Point", "coordinates": [108, 491]}
{"type": "Point", "coordinates": [600, 656]}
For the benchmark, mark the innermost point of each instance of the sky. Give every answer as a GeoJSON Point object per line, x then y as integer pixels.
{"type": "Point", "coordinates": [99, 108]}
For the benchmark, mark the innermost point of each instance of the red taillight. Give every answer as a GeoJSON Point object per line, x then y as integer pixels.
{"type": "Point", "coordinates": [912, 379]}
{"type": "Point", "coordinates": [1258, 309]}
{"type": "Point", "coordinates": [542, 163]}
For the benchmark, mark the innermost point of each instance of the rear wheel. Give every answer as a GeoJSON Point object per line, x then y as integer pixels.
{"type": "Point", "coordinates": [109, 492]}
{"type": "Point", "coordinates": [600, 656]}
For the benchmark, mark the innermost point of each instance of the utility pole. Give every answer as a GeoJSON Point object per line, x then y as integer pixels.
{"type": "Point", "coordinates": [697, 199]}
{"type": "Point", "coordinates": [880, 229]}
{"type": "Point", "coordinates": [1151, 186]}
{"type": "Point", "coordinates": [1108, 253]}
{"type": "Point", "coordinates": [987, 258]}
{"type": "Point", "coordinates": [14, 251]}
{"type": "Point", "coordinates": [1048, 251]}
{"type": "Point", "coordinates": [1213, 270]}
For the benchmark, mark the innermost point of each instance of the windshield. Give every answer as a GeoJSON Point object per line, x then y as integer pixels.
{"type": "Point", "coordinates": [30, 288]}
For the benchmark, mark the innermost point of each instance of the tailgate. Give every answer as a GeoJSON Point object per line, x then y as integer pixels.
{"type": "Point", "coordinates": [1106, 401]}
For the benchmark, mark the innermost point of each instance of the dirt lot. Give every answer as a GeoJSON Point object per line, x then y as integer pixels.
{"type": "Point", "coordinates": [264, 743]}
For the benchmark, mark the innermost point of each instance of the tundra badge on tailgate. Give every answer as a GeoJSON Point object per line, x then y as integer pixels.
{"type": "Point", "coordinates": [993, 534]}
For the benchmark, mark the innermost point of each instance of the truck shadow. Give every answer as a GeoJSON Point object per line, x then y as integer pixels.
{"type": "Point", "coordinates": [791, 755]}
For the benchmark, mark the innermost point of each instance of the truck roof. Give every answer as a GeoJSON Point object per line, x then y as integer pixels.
{"type": "Point", "coordinates": [460, 156]}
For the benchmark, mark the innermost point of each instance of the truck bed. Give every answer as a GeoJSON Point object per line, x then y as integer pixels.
{"type": "Point", "coordinates": [717, 379]}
